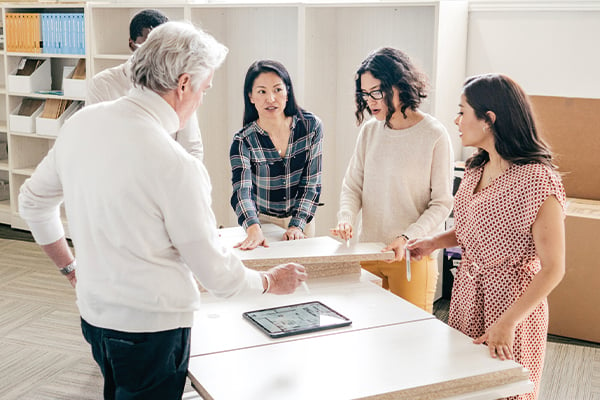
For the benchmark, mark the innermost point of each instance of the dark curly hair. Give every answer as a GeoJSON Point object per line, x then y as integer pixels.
{"type": "Point", "coordinates": [394, 69]}
{"type": "Point", "coordinates": [515, 134]}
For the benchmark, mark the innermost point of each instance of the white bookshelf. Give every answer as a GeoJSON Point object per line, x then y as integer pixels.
{"type": "Point", "coordinates": [321, 44]}
{"type": "Point", "coordinates": [26, 150]}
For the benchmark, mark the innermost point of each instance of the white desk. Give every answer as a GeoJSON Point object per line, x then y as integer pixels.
{"type": "Point", "coordinates": [392, 350]}
{"type": "Point", "coordinates": [420, 359]}
{"type": "Point", "coordinates": [219, 325]}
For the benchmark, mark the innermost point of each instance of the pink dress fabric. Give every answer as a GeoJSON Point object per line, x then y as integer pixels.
{"type": "Point", "coordinates": [499, 261]}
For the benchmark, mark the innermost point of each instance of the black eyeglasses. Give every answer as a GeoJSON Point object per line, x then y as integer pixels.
{"type": "Point", "coordinates": [375, 95]}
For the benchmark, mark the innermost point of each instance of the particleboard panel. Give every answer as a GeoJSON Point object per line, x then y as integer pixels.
{"type": "Point", "coordinates": [322, 254]}
{"type": "Point", "coordinates": [572, 128]}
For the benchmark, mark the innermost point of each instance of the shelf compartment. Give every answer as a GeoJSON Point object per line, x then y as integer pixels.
{"type": "Point", "coordinates": [115, 39]}
{"type": "Point", "coordinates": [40, 79]}
{"type": "Point", "coordinates": [57, 69]}
{"type": "Point", "coordinates": [3, 152]}
{"type": "Point", "coordinates": [27, 152]}
{"type": "Point", "coordinates": [5, 213]}
{"type": "Point", "coordinates": [24, 123]}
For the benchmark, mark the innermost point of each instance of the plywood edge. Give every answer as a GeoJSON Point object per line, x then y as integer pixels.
{"type": "Point", "coordinates": [322, 270]}
{"type": "Point", "coordinates": [313, 260]}
{"type": "Point", "coordinates": [199, 388]}
{"type": "Point", "coordinates": [457, 387]}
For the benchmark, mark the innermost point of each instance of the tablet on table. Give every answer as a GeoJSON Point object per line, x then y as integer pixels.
{"type": "Point", "coordinates": [295, 319]}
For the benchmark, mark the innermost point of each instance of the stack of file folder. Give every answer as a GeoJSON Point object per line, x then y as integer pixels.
{"type": "Point", "coordinates": [52, 33]}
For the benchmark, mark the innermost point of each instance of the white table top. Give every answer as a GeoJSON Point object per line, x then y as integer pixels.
{"type": "Point", "coordinates": [219, 325]}
{"type": "Point", "coordinates": [392, 349]}
{"type": "Point", "coordinates": [400, 361]}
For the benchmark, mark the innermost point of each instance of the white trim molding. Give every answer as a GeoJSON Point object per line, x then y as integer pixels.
{"type": "Point", "coordinates": [534, 5]}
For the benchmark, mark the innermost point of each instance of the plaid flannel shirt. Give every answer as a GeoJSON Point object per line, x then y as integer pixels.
{"type": "Point", "coordinates": [266, 183]}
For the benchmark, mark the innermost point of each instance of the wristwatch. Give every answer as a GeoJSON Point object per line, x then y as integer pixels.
{"type": "Point", "coordinates": [69, 268]}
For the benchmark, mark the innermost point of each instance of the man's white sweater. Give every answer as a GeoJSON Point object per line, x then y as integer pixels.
{"type": "Point", "coordinates": [139, 213]}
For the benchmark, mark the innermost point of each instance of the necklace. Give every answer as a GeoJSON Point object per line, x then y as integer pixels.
{"type": "Point", "coordinates": [495, 173]}
{"type": "Point", "coordinates": [280, 136]}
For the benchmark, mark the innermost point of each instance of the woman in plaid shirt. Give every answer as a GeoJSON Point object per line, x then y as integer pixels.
{"type": "Point", "coordinates": [275, 158]}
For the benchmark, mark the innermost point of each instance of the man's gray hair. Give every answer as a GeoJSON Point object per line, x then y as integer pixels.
{"type": "Point", "coordinates": [172, 49]}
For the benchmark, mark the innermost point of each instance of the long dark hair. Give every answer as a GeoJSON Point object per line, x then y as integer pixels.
{"type": "Point", "coordinates": [515, 134]}
{"type": "Point", "coordinates": [393, 68]}
{"type": "Point", "coordinates": [257, 68]}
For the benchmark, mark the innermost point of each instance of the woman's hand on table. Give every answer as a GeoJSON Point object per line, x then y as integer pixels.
{"type": "Point", "coordinates": [293, 233]}
{"type": "Point", "coordinates": [253, 239]}
{"type": "Point", "coordinates": [285, 278]}
{"type": "Point", "coordinates": [343, 231]}
{"type": "Point", "coordinates": [500, 339]}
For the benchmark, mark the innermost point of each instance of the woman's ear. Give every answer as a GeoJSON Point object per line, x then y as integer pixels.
{"type": "Point", "coordinates": [491, 117]}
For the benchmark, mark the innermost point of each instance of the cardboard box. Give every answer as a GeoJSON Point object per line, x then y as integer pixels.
{"type": "Point", "coordinates": [51, 126]}
{"type": "Point", "coordinates": [23, 123]}
{"type": "Point", "coordinates": [574, 302]}
{"type": "Point", "coordinates": [40, 79]}
{"type": "Point", "coordinates": [571, 126]}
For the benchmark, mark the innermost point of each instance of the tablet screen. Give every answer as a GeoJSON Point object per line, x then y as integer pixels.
{"type": "Point", "coordinates": [296, 318]}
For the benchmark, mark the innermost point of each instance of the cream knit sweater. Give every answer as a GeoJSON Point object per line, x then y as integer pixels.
{"type": "Point", "coordinates": [400, 179]}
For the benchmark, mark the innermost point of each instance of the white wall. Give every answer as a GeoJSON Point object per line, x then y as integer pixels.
{"type": "Point", "coordinates": [551, 48]}
{"type": "Point", "coordinates": [554, 53]}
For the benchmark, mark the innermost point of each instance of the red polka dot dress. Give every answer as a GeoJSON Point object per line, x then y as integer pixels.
{"type": "Point", "coordinates": [499, 261]}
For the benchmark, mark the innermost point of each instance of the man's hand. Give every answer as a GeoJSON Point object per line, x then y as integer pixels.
{"type": "Point", "coordinates": [285, 278]}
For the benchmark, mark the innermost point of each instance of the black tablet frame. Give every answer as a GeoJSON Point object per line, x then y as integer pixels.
{"type": "Point", "coordinates": [253, 317]}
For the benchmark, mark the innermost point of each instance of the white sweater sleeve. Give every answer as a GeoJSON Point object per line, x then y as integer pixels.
{"type": "Point", "coordinates": [440, 205]}
{"type": "Point", "coordinates": [39, 202]}
{"type": "Point", "coordinates": [192, 227]}
{"type": "Point", "coordinates": [352, 185]}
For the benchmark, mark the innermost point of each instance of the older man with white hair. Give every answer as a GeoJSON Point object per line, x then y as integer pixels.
{"type": "Point", "coordinates": [138, 207]}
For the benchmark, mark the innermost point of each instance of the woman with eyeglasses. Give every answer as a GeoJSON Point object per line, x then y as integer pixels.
{"type": "Point", "coordinates": [400, 174]}
{"type": "Point", "coordinates": [275, 158]}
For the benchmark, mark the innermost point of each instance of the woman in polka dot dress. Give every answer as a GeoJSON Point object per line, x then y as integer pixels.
{"type": "Point", "coordinates": [509, 222]}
